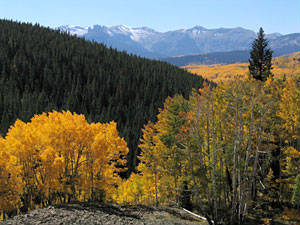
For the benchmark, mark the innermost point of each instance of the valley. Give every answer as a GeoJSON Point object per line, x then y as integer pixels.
{"type": "Point", "coordinates": [287, 65]}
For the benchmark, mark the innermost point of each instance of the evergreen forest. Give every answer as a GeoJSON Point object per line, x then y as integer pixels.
{"type": "Point", "coordinates": [43, 70]}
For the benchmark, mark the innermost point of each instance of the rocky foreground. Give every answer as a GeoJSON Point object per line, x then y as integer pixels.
{"type": "Point", "coordinates": [90, 214]}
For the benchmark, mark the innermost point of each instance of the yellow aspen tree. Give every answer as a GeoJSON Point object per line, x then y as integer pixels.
{"type": "Point", "coordinates": [60, 157]}
{"type": "Point", "coordinates": [10, 182]}
{"type": "Point", "coordinates": [170, 122]}
{"type": "Point", "coordinates": [23, 144]}
{"type": "Point", "coordinates": [109, 152]}
{"type": "Point", "coordinates": [290, 112]}
{"type": "Point", "coordinates": [150, 161]}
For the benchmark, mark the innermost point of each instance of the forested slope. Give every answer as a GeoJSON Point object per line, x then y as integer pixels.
{"type": "Point", "coordinates": [43, 70]}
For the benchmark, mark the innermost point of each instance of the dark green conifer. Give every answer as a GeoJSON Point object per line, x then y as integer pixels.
{"type": "Point", "coordinates": [260, 62]}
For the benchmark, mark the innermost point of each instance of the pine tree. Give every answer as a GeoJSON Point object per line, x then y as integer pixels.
{"type": "Point", "coordinates": [260, 62]}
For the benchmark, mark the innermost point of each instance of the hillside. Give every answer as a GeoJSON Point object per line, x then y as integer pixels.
{"type": "Point", "coordinates": [44, 70]}
{"type": "Point", "coordinates": [209, 58]}
{"type": "Point", "coordinates": [288, 65]}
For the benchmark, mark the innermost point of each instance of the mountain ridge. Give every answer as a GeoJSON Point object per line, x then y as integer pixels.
{"type": "Point", "coordinates": [239, 56]}
{"type": "Point", "coordinates": [147, 42]}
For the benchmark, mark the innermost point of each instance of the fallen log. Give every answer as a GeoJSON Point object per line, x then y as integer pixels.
{"type": "Point", "coordinates": [194, 214]}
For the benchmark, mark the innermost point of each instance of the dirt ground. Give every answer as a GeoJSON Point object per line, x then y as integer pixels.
{"type": "Point", "coordinates": [100, 214]}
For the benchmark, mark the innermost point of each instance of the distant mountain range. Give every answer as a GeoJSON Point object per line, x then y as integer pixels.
{"type": "Point", "coordinates": [241, 56]}
{"type": "Point", "coordinates": [149, 43]}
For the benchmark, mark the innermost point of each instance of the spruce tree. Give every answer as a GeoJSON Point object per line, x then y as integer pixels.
{"type": "Point", "coordinates": [260, 62]}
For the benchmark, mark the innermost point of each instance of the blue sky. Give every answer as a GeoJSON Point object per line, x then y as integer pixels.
{"type": "Point", "coordinates": [273, 15]}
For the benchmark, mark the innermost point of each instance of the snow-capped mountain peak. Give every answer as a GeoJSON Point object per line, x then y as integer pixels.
{"type": "Point", "coordinates": [122, 29]}
{"type": "Point", "coordinates": [75, 30]}
{"type": "Point", "coordinates": [136, 34]}
{"type": "Point", "coordinates": [147, 42]}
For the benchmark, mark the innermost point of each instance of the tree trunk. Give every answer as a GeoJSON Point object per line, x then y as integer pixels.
{"type": "Point", "coordinates": [199, 202]}
{"type": "Point", "coordinates": [253, 174]}
{"type": "Point", "coordinates": [245, 203]}
{"type": "Point", "coordinates": [156, 198]}
{"type": "Point", "coordinates": [215, 213]}
{"type": "Point", "coordinates": [234, 175]}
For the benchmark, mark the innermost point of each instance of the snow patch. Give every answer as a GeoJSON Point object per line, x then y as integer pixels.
{"type": "Point", "coordinates": [135, 34]}
{"type": "Point", "coordinates": [75, 30]}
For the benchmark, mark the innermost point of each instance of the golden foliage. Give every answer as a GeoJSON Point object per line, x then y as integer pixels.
{"type": "Point", "coordinates": [10, 183]}
{"type": "Point", "coordinates": [216, 144]}
{"type": "Point", "coordinates": [60, 157]}
{"type": "Point", "coordinates": [157, 181]}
